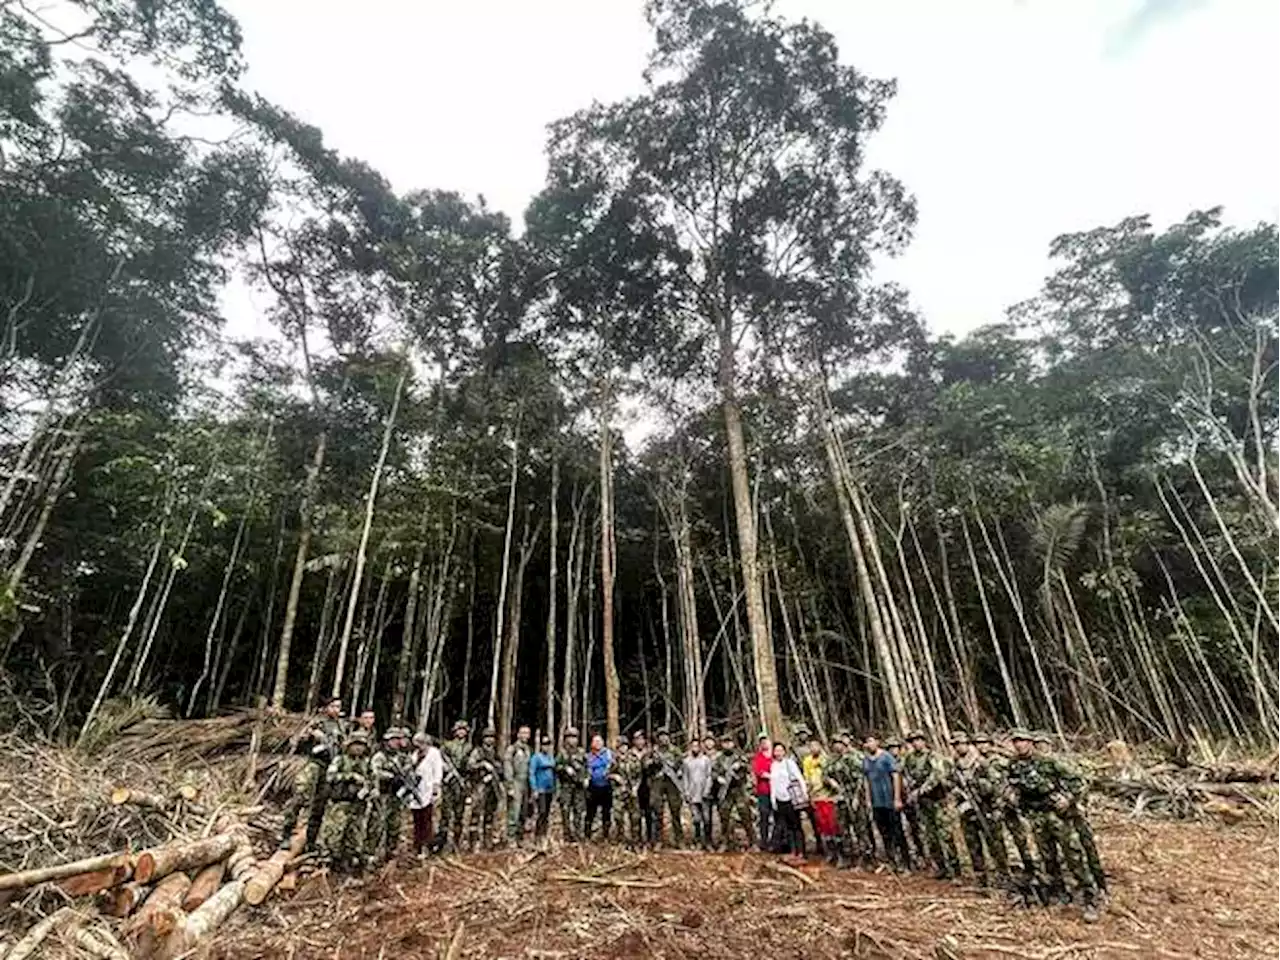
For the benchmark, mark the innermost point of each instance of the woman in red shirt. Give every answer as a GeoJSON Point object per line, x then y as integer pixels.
{"type": "Point", "coordinates": [760, 765]}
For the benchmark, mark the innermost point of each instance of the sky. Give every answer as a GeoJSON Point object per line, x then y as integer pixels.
{"type": "Point", "coordinates": [1015, 120]}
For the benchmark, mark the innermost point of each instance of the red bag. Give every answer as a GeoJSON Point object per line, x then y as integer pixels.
{"type": "Point", "coordinates": [824, 812]}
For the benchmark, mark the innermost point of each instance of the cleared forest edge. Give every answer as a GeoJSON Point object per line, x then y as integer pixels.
{"type": "Point", "coordinates": [1179, 890]}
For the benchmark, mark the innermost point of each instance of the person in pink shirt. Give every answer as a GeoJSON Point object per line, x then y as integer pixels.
{"type": "Point", "coordinates": [760, 766]}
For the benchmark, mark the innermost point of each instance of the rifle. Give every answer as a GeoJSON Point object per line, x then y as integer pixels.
{"type": "Point", "coordinates": [725, 783]}
{"type": "Point", "coordinates": [406, 783]}
{"type": "Point", "coordinates": [675, 776]}
{"type": "Point", "coordinates": [451, 774]}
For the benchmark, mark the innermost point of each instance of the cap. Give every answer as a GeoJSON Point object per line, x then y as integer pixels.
{"type": "Point", "coordinates": [488, 732]}
{"type": "Point", "coordinates": [980, 738]}
{"type": "Point", "coordinates": [638, 735]}
{"type": "Point", "coordinates": [893, 742]}
{"type": "Point", "coordinates": [1041, 737]}
{"type": "Point", "coordinates": [358, 736]}
{"type": "Point", "coordinates": [840, 738]}
{"type": "Point", "coordinates": [663, 731]}
{"type": "Point", "coordinates": [959, 736]}
{"type": "Point", "coordinates": [391, 733]}
{"type": "Point", "coordinates": [460, 725]}
{"type": "Point", "coordinates": [570, 731]}
{"type": "Point", "coordinates": [916, 734]}
{"type": "Point", "coordinates": [1017, 733]}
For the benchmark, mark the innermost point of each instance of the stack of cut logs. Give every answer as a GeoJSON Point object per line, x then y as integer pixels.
{"type": "Point", "coordinates": [172, 898]}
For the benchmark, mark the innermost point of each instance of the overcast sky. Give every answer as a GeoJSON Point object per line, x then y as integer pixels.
{"type": "Point", "coordinates": [1015, 120]}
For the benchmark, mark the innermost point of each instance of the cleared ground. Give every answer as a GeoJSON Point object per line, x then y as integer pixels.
{"type": "Point", "coordinates": [1178, 890]}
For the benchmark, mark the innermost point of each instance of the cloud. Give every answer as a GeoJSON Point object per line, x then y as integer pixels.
{"type": "Point", "coordinates": [1148, 16]}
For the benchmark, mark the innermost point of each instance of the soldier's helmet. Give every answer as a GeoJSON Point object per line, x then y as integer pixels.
{"type": "Point", "coordinates": [913, 735]}
{"type": "Point", "coordinates": [1041, 737]}
{"type": "Point", "coordinates": [840, 738]}
{"type": "Point", "coordinates": [1018, 733]}
{"type": "Point", "coordinates": [892, 742]}
{"type": "Point", "coordinates": [360, 737]}
{"type": "Point", "coordinates": [663, 732]}
{"type": "Point", "coordinates": [570, 731]}
{"type": "Point", "coordinates": [981, 738]}
{"type": "Point", "coordinates": [460, 725]}
{"type": "Point", "coordinates": [392, 733]}
{"type": "Point", "coordinates": [488, 733]}
{"type": "Point", "coordinates": [958, 737]}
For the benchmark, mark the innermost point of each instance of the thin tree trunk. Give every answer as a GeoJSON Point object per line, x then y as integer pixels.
{"type": "Point", "coordinates": [405, 662]}
{"type": "Point", "coordinates": [608, 569]}
{"type": "Point", "coordinates": [511, 651]}
{"type": "Point", "coordinates": [362, 551]}
{"type": "Point", "coordinates": [506, 573]}
{"type": "Point", "coordinates": [549, 690]}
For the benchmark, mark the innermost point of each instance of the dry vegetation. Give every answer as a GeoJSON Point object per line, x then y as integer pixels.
{"type": "Point", "coordinates": [1204, 885]}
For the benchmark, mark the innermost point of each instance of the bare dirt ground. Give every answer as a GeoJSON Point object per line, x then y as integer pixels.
{"type": "Point", "coordinates": [1179, 890]}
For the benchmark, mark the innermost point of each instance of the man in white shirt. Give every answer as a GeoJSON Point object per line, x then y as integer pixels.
{"type": "Point", "coordinates": [429, 771]}
{"type": "Point", "coordinates": [697, 785]}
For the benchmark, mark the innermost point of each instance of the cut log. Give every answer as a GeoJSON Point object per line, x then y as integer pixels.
{"type": "Point", "coordinates": [269, 872]}
{"type": "Point", "coordinates": [151, 865]}
{"type": "Point", "coordinates": [122, 900]}
{"type": "Point", "coordinates": [164, 899]}
{"type": "Point", "coordinates": [83, 884]}
{"type": "Point", "coordinates": [29, 878]}
{"type": "Point", "coordinates": [196, 927]}
{"type": "Point", "coordinates": [29, 945]}
{"type": "Point", "coordinates": [204, 885]}
{"type": "Point", "coordinates": [242, 862]}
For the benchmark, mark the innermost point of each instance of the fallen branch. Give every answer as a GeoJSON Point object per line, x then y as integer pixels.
{"type": "Point", "coordinates": [204, 885]}
{"type": "Point", "coordinates": [198, 926]}
{"type": "Point", "coordinates": [269, 872]}
{"type": "Point", "coordinates": [29, 878]}
{"type": "Point", "coordinates": [29, 944]}
{"type": "Point", "coordinates": [99, 943]}
{"type": "Point", "coordinates": [791, 872]}
{"type": "Point", "coordinates": [609, 881]}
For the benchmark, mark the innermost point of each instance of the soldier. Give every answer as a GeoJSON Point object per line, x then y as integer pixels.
{"type": "Point", "coordinates": [975, 809]}
{"type": "Point", "coordinates": [625, 777]}
{"type": "Point", "coordinates": [930, 794]}
{"type": "Point", "coordinates": [571, 777]}
{"type": "Point", "coordinates": [666, 789]}
{"type": "Point", "coordinates": [912, 836]}
{"type": "Point", "coordinates": [1075, 815]}
{"type": "Point", "coordinates": [367, 723]}
{"type": "Point", "coordinates": [392, 770]}
{"type": "Point", "coordinates": [850, 785]}
{"type": "Point", "coordinates": [454, 795]}
{"type": "Point", "coordinates": [731, 775]}
{"type": "Point", "coordinates": [343, 833]}
{"type": "Point", "coordinates": [1044, 790]}
{"type": "Point", "coordinates": [1006, 818]}
{"type": "Point", "coordinates": [323, 742]}
{"type": "Point", "coordinates": [640, 755]}
{"type": "Point", "coordinates": [515, 771]}
{"type": "Point", "coordinates": [484, 774]}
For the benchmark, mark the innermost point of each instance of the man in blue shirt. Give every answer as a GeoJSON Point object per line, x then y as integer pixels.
{"type": "Point", "coordinates": [599, 787]}
{"type": "Point", "coordinates": [884, 790]}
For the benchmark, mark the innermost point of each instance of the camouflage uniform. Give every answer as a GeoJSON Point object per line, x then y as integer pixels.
{"type": "Point", "coordinates": [342, 835]}
{"type": "Point", "coordinates": [664, 766]}
{"type": "Point", "coordinates": [571, 782]}
{"type": "Point", "coordinates": [484, 774]}
{"type": "Point", "coordinates": [976, 808]}
{"type": "Point", "coordinates": [912, 836]}
{"type": "Point", "coordinates": [1006, 819]}
{"type": "Point", "coordinates": [389, 767]}
{"type": "Point", "coordinates": [1044, 789]}
{"type": "Point", "coordinates": [1078, 821]}
{"type": "Point", "coordinates": [627, 771]}
{"type": "Point", "coordinates": [454, 795]}
{"type": "Point", "coordinates": [734, 785]}
{"type": "Point", "coordinates": [845, 771]}
{"type": "Point", "coordinates": [309, 791]}
{"type": "Point", "coordinates": [931, 779]}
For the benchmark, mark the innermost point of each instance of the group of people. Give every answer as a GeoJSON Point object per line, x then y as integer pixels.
{"type": "Point", "coordinates": [903, 802]}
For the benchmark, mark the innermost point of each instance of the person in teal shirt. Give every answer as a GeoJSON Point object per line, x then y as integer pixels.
{"type": "Point", "coordinates": [542, 785]}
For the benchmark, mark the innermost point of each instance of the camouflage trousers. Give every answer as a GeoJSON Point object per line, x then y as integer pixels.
{"type": "Point", "coordinates": [383, 835]}
{"type": "Point", "coordinates": [1057, 841]}
{"type": "Point", "coordinates": [485, 799]}
{"type": "Point", "coordinates": [913, 833]}
{"type": "Point", "coordinates": [664, 794]}
{"type": "Point", "coordinates": [855, 828]}
{"type": "Point", "coordinates": [572, 800]}
{"type": "Point", "coordinates": [626, 817]}
{"type": "Point", "coordinates": [983, 835]}
{"type": "Point", "coordinates": [938, 823]}
{"type": "Point", "coordinates": [303, 798]}
{"type": "Point", "coordinates": [1012, 823]}
{"type": "Point", "coordinates": [1078, 822]}
{"type": "Point", "coordinates": [737, 808]}
{"type": "Point", "coordinates": [342, 836]}
{"type": "Point", "coordinates": [453, 811]}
